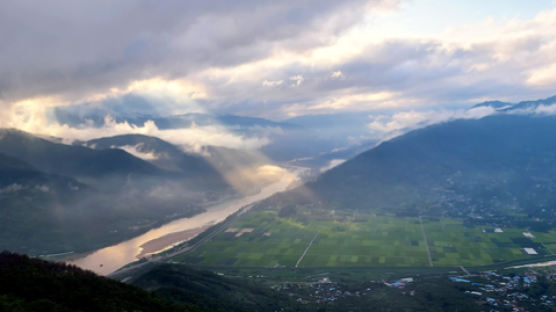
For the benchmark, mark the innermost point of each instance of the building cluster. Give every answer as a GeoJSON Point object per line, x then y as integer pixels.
{"type": "Point", "coordinates": [492, 291]}
{"type": "Point", "coordinates": [506, 292]}
{"type": "Point", "coordinates": [320, 292]}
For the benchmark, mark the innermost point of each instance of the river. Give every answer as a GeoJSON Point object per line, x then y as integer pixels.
{"type": "Point", "coordinates": [107, 260]}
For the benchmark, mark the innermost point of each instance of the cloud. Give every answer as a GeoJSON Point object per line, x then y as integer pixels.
{"type": "Point", "coordinates": [34, 119]}
{"type": "Point", "coordinates": [272, 83]}
{"type": "Point", "coordinates": [266, 58]}
{"type": "Point", "coordinates": [333, 163]}
{"type": "Point", "coordinates": [355, 101]}
{"type": "Point", "coordinates": [544, 76]}
{"type": "Point", "coordinates": [385, 127]}
{"type": "Point", "coordinates": [297, 80]}
{"type": "Point", "coordinates": [192, 139]}
{"type": "Point", "coordinates": [136, 151]}
{"type": "Point", "coordinates": [337, 75]}
{"type": "Point", "coordinates": [459, 66]}
{"type": "Point", "coordinates": [69, 47]}
{"type": "Point", "coordinates": [546, 109]}
{"type": "Point", "coordinates": [109, 114]}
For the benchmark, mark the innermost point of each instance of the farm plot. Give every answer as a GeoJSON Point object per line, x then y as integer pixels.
{"type": "Point", "coordinates": [547, 240]}
{"type": "Point", "coordinates": [262, 238]}
{"type": "Point", "coordinates": [268, 242]}
{"type": "Point", "coordinates": [379, 241]}
{"type": "Point", "coordinates": [453, 244]}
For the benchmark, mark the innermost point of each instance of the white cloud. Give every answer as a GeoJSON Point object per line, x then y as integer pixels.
{"type": "Point", "coordinates": [69, 48]}
{"type": "Point", "coordinates": [356, 101]}
{"type": "Point", "coordinates": [297, 80]}
{"type": "Point", "coordinates": [544, 76]}
{"type": "Point", "coordinates": [385, 127]}
{"type": "Point", "coordinates": [33, 119]}
{"type": "Point", "coordinates": [135, 150]}
{"type": "Point", "coordinates": [492, 58]}
{"type": "Point", "coordinates": [337, 75]}
{"type": "Point", "coordinates": [343, 57]}
{"type": "Point", "coordinates": [333, 163]}
{"type": "Point", "coordinates": [272, 83]}
{"type": "Point", "coordinates": [167, 98]}
{"type": "Point", "coordinates": [546, 109]}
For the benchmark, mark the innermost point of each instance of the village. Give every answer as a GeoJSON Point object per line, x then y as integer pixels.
{"type": "Point", "coordinates": [511, 292]}
{"type": "Point", "coordinates": [490, 290]}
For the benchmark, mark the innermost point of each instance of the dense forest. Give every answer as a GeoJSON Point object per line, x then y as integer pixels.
{"type": "Point", "coordinates": [34, 285]}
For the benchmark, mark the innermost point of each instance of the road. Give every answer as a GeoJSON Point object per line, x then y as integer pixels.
{"type": "Point", "coordinates": [306, 250]}
{"type": "Point", "coordinates": [426, 241]}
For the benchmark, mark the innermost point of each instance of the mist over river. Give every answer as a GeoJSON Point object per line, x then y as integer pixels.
{"type": "Point", "coordinates": [107, 260]}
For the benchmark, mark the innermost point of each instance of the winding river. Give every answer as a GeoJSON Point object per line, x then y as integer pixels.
{"type": "Point", "coordinates": [107, 260]}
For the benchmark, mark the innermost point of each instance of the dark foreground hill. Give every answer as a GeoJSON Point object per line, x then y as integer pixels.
{"type": "Point", "coordinates": [209, 291]}
{"type": "Point", "coordinates": [35, 285]}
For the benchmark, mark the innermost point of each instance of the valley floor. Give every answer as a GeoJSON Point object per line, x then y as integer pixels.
{"type": "Point", "coordinates": [262, 238]}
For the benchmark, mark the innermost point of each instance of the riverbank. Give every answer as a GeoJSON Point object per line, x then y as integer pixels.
{"type": "Point", "coordinates": [107, 260]}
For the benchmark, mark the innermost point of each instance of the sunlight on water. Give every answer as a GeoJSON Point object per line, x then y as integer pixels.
{"type": "Point", "coordinates": [107, 260]}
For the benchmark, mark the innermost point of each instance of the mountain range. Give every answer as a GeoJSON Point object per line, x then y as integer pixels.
{"type": "Point", "coordinates": [58, 198]}
{"type": "Point", "coordinates": [521, 107]}
{"type": "Point", "coordinates": [287, 138]}
{"type": "Point", "coordinates": [71, 160]}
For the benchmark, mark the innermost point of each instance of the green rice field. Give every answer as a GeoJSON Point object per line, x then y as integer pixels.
{"type": "Point", "coordinates": [263, 239]}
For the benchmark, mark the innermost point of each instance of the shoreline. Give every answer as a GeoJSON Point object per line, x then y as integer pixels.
{"type": "Point", "coordinates": [107, 260]}
{"type": "Point", "coordinates": [169, 240]}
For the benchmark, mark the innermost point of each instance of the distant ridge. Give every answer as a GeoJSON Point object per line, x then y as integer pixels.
{"type": "Point", "coordinates": [76, 161]}
{"type": "Point", "coordinates": [165, 155]}
{"type": "Point", "coordinates": [523, 105]}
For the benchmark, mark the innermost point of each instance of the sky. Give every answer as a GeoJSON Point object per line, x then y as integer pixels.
{"type": "Point", "coordinates": [271, 59]}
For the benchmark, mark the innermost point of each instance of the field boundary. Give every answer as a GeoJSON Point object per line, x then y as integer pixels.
{"type": "Point", "coordinates": [426, 242]}
{"type": "Point", "coordinates": [306, 250]}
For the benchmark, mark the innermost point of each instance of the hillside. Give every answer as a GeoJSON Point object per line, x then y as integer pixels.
{"type": "Point", "coordinates": [488, 168]}
{"type": "Point", "coordinates": [32, 201]}
{"type": "Point", "coordinates": [16, 172]}
{"type": "Point", "coordinates": [166, 156]}
{"type": "Point", "coordinates": [35, 285]}
{"type": "Point", "coordinates": [58, 198]}
{"type": "Point", "coordinates": [209, 291]}
{"type": "Point", "coordinates": [71, 160]}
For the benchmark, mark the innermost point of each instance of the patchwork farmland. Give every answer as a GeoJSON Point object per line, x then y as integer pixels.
{"type": "Point", "coordinates": [261, 238]}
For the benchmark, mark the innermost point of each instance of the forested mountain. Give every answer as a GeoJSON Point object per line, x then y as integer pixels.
{"type": "Point", "coordinates": [16, 175]}
{"type": "Point", "coordinates": [35, 285]}
{"type": "Point", "coordinates": [71, 160]}
{"type": "Point", "coordinates": [57, 198]}
{"type": "Point", "coordinates": [492, 166]}
{"type": "Point", "coordinates": [167, 156]}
